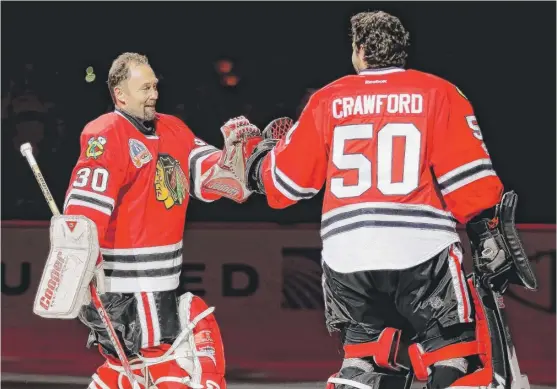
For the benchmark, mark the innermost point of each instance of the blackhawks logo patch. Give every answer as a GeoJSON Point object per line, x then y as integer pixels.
{"type": "Point", "coordinates": [171, 183]}
{"type": "Point", "coordinates": [95, 147]}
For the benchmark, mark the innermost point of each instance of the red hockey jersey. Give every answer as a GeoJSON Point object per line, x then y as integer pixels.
{"type": "Point", "coordinates": [402, 158]}
{"type": "Point", "coordinates": [136, 188]}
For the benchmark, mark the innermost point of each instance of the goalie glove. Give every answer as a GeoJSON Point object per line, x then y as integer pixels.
{"type": "Point", "coordinates": [226, 178]}
{"type": "Point", "coordinates": [272, 134]}
{"type": "Point", "coordinates": [499, 258]}
{"type": "Point", "coordinates": [74, 260]}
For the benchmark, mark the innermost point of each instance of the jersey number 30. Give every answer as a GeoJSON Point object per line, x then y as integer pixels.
{"type": "Point", "coordinates": [383, 159]}
{"type": "Point", "coordinates": [99, 179]}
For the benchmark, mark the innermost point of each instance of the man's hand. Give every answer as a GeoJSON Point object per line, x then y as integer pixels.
{"type": "Point", "coordinates": [499, 257]}
{"type": "Point", "coordinates": [227, 177]}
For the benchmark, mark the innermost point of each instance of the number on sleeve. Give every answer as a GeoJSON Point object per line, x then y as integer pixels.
{"type": "Point", "coordinates": [473, 124]}
{"type": "Point", "coordinates": [99, 181]}
{"type": "Point", "coordinates": [82, 177]}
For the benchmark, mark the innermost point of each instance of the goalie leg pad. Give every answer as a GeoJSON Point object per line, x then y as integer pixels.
{"type": "Point", "coordinates": [196, 357]}
{"type": "Point", "coordinates": [363, 374]}
{"type": "Point", "coordinates": [110, 375]}
{"type": "Point", "coordinates": [154, 369]}
{"type": "Point", "coordinates": [384, 350]}
{"type": "Point", "coordinates": [69, 268]}
{"type": "Point", "coordinates": [369, 380]}
{"type": "Point", "coordinates": [205, 342]}
{"type": "Point", "coordinates": [373, 365]}
{"type": "Point", "coordinates": [452, 355]}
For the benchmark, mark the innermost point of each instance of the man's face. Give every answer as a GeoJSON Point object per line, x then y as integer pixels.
{"type": "Point", "coordinates": [139, 93]}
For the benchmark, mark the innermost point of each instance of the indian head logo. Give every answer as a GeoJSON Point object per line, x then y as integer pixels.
{"type": "Point", "coordinates": [171, 184]}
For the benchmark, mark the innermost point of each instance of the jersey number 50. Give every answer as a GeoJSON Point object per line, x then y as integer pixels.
{"type": "Point", "coordinates": [383, 159]}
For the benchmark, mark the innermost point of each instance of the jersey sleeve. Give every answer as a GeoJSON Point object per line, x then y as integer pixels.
{"type": "Point", "coordinates": [460, 160]}
{"type": "Point", "coordinates": [97, 177]}
{"type": "Point", "coordinates": [296, 167]}
{"type": "Point", "coordinates": [202, 157]}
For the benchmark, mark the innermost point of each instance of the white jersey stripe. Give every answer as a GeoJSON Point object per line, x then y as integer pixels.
{"type": "Point", "coordinates": [462, 169]}
{"type": "Point", "coordinates": [196, 158]}
{"type": "Point", "coordinates": [295, 186]}
{"type": "Point", "coordinates": [287, 186]}
{"type": "Point", "coordinates": [151, 284]}
{"type": "Point", "coordinates": [392, 218]}
{"type": "Point", "coordinates": [281, 189]}
{"type": "Point", "coordinates": [201, 149]}
{"type": "Point", "coordinates": [468, 180]}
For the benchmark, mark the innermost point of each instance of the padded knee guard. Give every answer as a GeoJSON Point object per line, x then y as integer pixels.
{"type": "Point", "coordinates": [110, 375]}
{"type": "Point", "coordinates": [481, 347]}
{"type": "Point", "coordinates": [195, 360]}
{"type": "Point", "coordinates": [205, 342]}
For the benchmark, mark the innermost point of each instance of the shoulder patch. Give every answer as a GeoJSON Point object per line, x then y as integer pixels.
{"type": "Point", "coordinates": [139, 153]}
{"type": "Point", "coordinates": [95, 147]}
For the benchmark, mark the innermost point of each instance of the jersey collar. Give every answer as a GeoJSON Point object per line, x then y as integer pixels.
{"type": "Point", "coordinates": [371, 71]}
{"type": "Point", "coordinates": [145, 127]}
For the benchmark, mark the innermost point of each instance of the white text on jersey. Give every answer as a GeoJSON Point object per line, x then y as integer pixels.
{"type": "Point", "coordinates": [404, 103]}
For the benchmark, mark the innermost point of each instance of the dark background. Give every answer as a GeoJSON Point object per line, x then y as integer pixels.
{"type": "Point", "coordinates": [502, 55]}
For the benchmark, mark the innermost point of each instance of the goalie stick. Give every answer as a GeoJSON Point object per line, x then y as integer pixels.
{"type": "Point", "coordinates": [26, 151]}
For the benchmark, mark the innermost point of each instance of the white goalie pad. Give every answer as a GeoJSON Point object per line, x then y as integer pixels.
{"type": "Point", "coordinates": [187, 348]}
{"type": "Point", "coordinates": [70, 267]}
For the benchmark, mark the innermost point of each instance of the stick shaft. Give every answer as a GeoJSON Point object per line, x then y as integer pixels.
{"type": "Point", "coordinates": [28, 154]}
{"type": "Point", "coordinates": [41, 181]}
